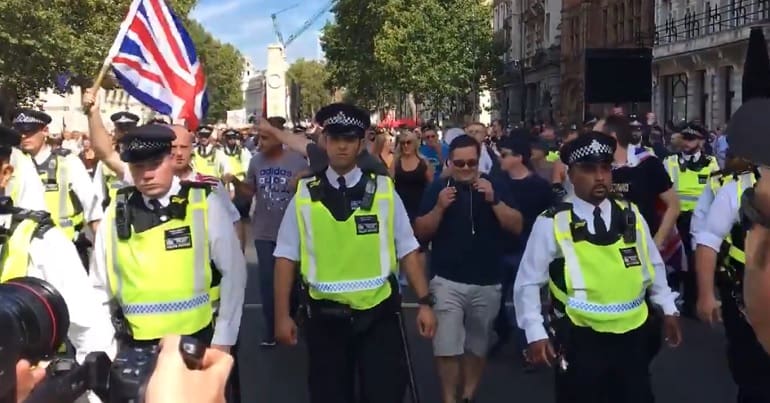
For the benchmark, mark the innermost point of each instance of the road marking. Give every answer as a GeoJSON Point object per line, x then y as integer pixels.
{"type": "Point", "coordinates": [408, 305]}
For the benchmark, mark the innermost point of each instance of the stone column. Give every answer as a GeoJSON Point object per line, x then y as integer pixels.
{"type": "Point", "coordinates": [737, 79]}
{"type": "Point", "coordinates": [718, 97]}
{"type": "Point", "coordinates": [711, 118]}
{"type": "Point", "coordinates": [694, 95]}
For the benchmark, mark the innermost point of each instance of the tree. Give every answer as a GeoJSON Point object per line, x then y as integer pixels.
{"type": "Point", "coordinates": [223, 66]}
{"type": "Point", "coordinates": [311, 77]}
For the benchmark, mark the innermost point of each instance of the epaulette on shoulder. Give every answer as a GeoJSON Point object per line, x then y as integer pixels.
{"type": "Point", "coordinates": [205, 185]}
{"type": "Point", "coordinates": [41, 218]}
{"type": "Point", "coordinates": [62, 152]}
{"type": "Point", "coordinates": [126, 190]}
{"type": "Point", "coordinates": [558, 208]}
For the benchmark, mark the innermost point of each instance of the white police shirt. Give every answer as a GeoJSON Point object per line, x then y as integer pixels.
{"type": "Point", "coordinates": [723, 214]}
{"type": "Point", "coordinates": [288, 241]}
{"type": "Point", "coordinates": [31, 193]}
{"type": "Point", "coordinates": [100, 186]}
{"type": "Point", "coordinates": [542, 248]}
{"type": "Point", "coordinates": [225, 252]}
{"type": "Point", "coordinates": [81, 183]}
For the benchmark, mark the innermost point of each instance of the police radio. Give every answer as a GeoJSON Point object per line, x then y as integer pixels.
{"type": "Point", "coordinates": [629, 224]}
{"type": "Point", "coordinates": [122, 219]}
{"type": "Point", "coordinates": [369, 192]}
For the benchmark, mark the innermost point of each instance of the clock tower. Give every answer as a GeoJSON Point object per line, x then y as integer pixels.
{"type": "Point", "coordinates": [275, 82]}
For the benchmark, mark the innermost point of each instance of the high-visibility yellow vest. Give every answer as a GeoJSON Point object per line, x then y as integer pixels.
{"type": "Point", "coordinates": [206, 164]}
{"type": "Point", "coordinates": [349, 261]}
{"type": "Point", "coordinates": [14, 260]}
{"type": "Point", "coordinates": [552, 156]}
{"type": "Point", "coordinates": [161, 277]}
{"type": "Point", "coordinates": [605, 284]}
{"type": "Point", "coordinates": [689, 184]}
{"type": "Point", "coordinates": [60, 199]}
{"type": "Point", "coordinates": [111, 182]}
{"type": "Point", "coordinates": [736, 257]}
{"type": "Point", "coordinates": [235, 163]}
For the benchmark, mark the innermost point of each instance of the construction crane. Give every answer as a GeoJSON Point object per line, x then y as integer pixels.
{"type": "Point", "coordinates": [305, 26]}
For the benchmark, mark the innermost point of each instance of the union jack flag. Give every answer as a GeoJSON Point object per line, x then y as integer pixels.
{"type": "Point", "coordinates": [154, 60]}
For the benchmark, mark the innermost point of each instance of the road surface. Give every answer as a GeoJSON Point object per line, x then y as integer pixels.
{"type": "Point", "coordinates": [694, 372]}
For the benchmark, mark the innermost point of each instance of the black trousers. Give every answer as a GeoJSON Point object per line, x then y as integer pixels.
{"type": "Point", "coordinates": [686, 279]}
{"type": "Point", "coordinates": [604, 367]}
{"type": "Point", "coordinates": [344, 358]}
{"type": "Point", "coordinates": [749, 363]}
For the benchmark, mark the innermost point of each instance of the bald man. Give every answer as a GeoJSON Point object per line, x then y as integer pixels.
{"type": "Point", "coordinates": [182, 149]}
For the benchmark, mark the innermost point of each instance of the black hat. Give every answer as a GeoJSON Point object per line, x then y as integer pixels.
{"type": "Point", "coordinates": [589, 147]}
{"type": "Point", "coordinates": [231, 133]}
{"type": "Point", "coordinates": [691, 131]}
{"type": "Point", "coordinates": [204, 131]}
{"type": "Point", "coordinates": [343, 120]}
{"type": "Point", "coordinates": [124, 120]}
{"type": "Point", "coordinates": [518, 145]}
{"type": "Point", "coordinates": [146, 142]}
{"type": "Point", "coordinates": [9, 137]}
{"type": "Point", "coordinates": [29, 120]}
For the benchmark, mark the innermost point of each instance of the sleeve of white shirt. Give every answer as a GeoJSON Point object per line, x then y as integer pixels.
{"type": "Point", "coordinates": [127, 178]}
{"type": "Point", "coordinates": [698, 222]}
{"type": "Point", "coordinates": [225, 250]}
{"type": "Point", "coordinates": [83, 187]}
{"type": "Point", "coordinates": [245, 158]}
{"type": "Point", "coordinates": [232, 212]}
{"type": "Point", "coordinates": [98, 272]}
{"type": "Point", "coordinates": [31, 190]}
{"type": "Point", "coordinates": [721, 217]}
{"type": "Point", "coordinates": [54, 259]}
{"type": "Point", "coordinates": [222, 162]}
{"type": "Point", "coordinates": [98, 181]}
{"type": "Point", "coordinates": [532, 276]}
{"type": "Point", "coordinates": [287, 242]}
{"type": "Point", "coordinates": [402, 228]}
{"type": "Point", "coordinates": [660, 292]}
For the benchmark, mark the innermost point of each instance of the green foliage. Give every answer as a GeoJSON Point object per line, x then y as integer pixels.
{"type": "Point", "coordinates": [312, 77]}
{"type": "Point", "coordinates": [435, 49]}
{"type": "Point", "coordinates": [223, 65]}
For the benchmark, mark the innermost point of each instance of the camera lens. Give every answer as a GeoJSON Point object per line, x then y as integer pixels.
{"type": "Point", "coordinates": [39, 314]}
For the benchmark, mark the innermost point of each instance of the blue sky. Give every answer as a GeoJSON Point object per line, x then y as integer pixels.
{"type": "Point", "coordinates": [247, 25]}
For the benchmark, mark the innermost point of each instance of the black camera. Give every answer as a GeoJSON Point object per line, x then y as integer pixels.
{"type": "Point", "coordinates": [34, 321]}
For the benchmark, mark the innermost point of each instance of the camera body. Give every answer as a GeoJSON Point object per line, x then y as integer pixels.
{"type": "Point", "coordinates": [130, 373]}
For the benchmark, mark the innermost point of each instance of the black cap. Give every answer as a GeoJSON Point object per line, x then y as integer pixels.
{"type": "Point", "coordinates": [343, 120]}
{"type": "Point", "coordinates": [146, 142]}
{"type": "Point", "coordinates": [590, 147]}
{"type": "Point", "coordinates": [518, 145]}
{"type": "Point", "coordinates": [29, 120]}
{"type": "Point", "coordinates": [204, 131]}
{"type": "Point", "coordinates": [691, 131]}
{"type": "Point", "coordinates": [124, 120]}
{"type": "Point", "coordinates": [9, 137]}
{"type": "Point", "coordinates": [231, 134]}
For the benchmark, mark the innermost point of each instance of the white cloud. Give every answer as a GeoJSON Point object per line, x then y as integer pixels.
{"type": "Point", "coordinates": [206, 13]}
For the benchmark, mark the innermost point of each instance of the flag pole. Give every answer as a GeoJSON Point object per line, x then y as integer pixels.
{"type": "Point", "coordinates": [114, 49]}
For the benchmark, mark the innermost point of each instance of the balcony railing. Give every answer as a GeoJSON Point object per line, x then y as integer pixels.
{"type": "Point", "coordinates": [714, 19]}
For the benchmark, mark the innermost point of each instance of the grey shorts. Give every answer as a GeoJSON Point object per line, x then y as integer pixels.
{"type": "Point", "coordinates": [465, 315]}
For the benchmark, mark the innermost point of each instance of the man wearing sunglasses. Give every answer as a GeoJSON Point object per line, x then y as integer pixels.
{"type": "Point", "coordinates": [464, 215]}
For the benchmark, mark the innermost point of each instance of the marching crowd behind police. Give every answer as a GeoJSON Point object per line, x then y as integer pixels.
{"type": "Point", "coordinates": [479, 216]}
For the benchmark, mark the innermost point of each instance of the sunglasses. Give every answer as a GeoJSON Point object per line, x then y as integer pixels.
{"type": "Point", "coordinates": [464, 163]}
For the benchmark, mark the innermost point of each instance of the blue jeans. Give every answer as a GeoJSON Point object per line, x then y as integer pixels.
{"type": "Point", "coordinates": [266, 263]}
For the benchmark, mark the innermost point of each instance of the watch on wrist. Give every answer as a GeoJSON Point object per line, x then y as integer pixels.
{"type": "Point", "coordinates": [428, 300]}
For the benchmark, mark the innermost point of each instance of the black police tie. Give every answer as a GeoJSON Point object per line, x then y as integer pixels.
{"type": "Point", "coordinates": [156, 206]}
{"type": "Point", "coordinates": [600, 227]}
{"type": "Point", "coordinates": [341, 181]}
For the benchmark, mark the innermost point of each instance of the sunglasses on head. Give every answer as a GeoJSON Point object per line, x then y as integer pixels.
{"type": "Point", "coordinates": [463, 163]}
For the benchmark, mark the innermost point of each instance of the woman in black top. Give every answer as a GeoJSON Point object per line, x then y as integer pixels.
{"type": "Point", "coordinates": [411, 172]}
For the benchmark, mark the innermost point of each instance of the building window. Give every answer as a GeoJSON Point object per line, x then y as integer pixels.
{"type": "Point", "coordinates": [676, 98]}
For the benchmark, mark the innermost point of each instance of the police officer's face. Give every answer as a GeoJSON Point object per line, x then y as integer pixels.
{"type": "Point", "coordinates": [591, 180]}
{"type": "Point", "coordinates": [32, 141]}
{"type": "Point", "coordinates": [343, 150]}
{"type": "Point", "coordinates": [153, 177]}
{"type": "Point", "coordinates": [691, 145]}
{"type": "Point", "coordinates": [204, 140]}
{"type": "Point", "coordinates": [181, 149]}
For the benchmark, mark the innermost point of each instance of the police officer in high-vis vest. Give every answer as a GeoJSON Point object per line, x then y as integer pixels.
{"type": "Point", "coordinates": [689, 171]}
{"type": "Point", "coordinates": [207, 158]}
{"type": "Point", "coordinates": [69, 190]}
{"type": "Point", "coordinates": [238, 159]}
{"type": "Point", "coordinates": [106, 181]}
{"type": "Point", "coordinates": [165, 245]}
{"type": "Point", "coordinates": [721, 251]}
{"type": "Point", "coordinates": [602, 267]}
{"type": "Point", "coordinates": [32, 246]}
{"type": "Point", "coordinates": [349, 229]}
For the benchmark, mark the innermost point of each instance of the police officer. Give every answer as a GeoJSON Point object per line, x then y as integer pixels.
{"type": "Point", "coordinates": [106, 181]}
{"type": "Point", "coordinates": [164, 245]}
{"type": "Point", "coordinates": [24, 187]}
{"type": "Point", "coordinates": [33, 246]}
{"type": "Point", "coordinates": [350, 229]}
{"type": "Point", "coordinates": [602, 262]}
{"type": "Point", "coordinates": [207, 157]}
{"type": "Point", "coordinates": [721, 243]}
{"type": "Point", "coordinates": [689, 171]}
{"type": "Point", "coordinates": [69, 191]}
{"type": "Point", "coordinates": [238, 159]}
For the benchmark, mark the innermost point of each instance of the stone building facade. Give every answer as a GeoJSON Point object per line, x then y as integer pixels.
{"type": "Point", "coordinates": [598, 24]}
{"type": "Point", "coordinates": [698, 57]}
